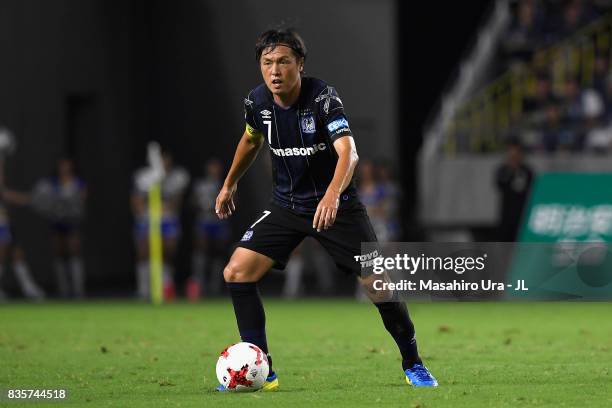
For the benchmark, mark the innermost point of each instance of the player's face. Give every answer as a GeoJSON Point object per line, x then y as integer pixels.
{"type": "Point", "coordinates": [281, 69]}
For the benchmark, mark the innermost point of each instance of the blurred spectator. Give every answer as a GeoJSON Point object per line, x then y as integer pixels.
{"type": "Point", "coordinates": [607, 100]}
{"type": "Point", "coordinates": [599, 137]}
{"type": "Point", "coordinates": [380, 195]}
{"type": "Point", "coordinates": [572, 101]}
{"type": "Point", "coordinates": [598, 125]}
{"type": "Point", "coordinates": [551, 131]}
{"type": "Point", "coordinates": [525, 32]}
{"type": "Point", "coordinates": [513, 179]}
{"type": "Point", "coordinates": [371, 194]}
{"type": "Point", "coordinates": [308, 256]}
{"type": "Point", "coordinates": [173, 186]}
{"type": "Point", "coordinates": [61, 199]}
{"type": "Point", "coordinates": [600, 73]}
{"type": "Point", "coordinates": [576, 14]}
{"type": "Point", "coordinates": [212, 235]}
{"type": "Point", "coordinates": [562, 79]}
{"type": "Point", "coordinates": [581, 107]}
{"type": "Point", "coordinates": [391, 196]}
{"type": "Point", "coordinates": [28, 286]}
{"type": "Point", "coordinates": [534, 105]}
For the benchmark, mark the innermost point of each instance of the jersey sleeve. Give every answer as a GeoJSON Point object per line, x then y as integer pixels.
{"type": "Point", "coordinates": [332, 113]}
{"type": "Point", "coordinates": [249, 117]}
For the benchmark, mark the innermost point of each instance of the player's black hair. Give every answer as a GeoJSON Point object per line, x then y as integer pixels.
{"type": "Point", "coordinates": [273, 38]}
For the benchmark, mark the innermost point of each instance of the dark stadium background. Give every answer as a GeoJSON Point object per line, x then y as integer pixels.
{"type": "Point", "coordinates": [97, 79]}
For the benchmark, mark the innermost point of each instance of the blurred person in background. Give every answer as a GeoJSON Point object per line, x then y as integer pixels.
{"type": "Point", "coordinates": [535, 104]}
{"type": "Point", "coordinates": [607, 99]}
{"type": "Point", "coordinates": [582, 108]}
{"type": "Point", "coordinates": [391, 200]}
{"type": "Point", "coordinates": [601, 71]}
{"type": "Point", "coordinates": [211, 235]}
{"type": "Point", "coordinates": [173, 187]}
{"type": "Point", "coordinates": [8, 246]}
{"type": "Point", "coordinates": [380, 194]}
{"type": "Point", "coordinates": [575, 14]}
{"type": "Point", "coordinates": [61, 199]}
{"type": "Point", "coordinates": [573, 104]}
{"type": "Point", "coordinates": [551, 131]}
{"type": "Point", "coordinates": [525, 32]}
{"type": "Point", "coordinates": [599, 126]}
{"type": "Point", "coordinates": [513, 180]}
{"type": "Point", "coordinates": [308, 256]}
{"type": "Point", "coordinates": [596, 131]}
{"type": "Point", "coordinates": [371, 194]}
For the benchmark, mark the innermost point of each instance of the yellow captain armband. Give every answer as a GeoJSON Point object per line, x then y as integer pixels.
{"type": "Point", "coordinates": [252, 132]}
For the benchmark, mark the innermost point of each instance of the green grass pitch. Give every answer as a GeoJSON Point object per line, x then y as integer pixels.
{"type": "Point", "coordinates": [326, 353]}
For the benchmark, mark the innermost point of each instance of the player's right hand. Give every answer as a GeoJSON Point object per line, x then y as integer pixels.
{"type": "Point", "coordinates": [224, 206]}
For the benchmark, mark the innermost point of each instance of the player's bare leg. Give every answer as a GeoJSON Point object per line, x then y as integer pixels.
{"type": "Point", "coordinates": [246, 266]}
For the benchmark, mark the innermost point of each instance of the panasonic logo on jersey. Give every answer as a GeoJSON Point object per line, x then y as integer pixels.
{"type": "Point", "coordinates": [299, 151]}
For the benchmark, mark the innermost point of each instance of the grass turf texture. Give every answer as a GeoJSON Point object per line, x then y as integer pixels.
{"type": "Point", "coordinates": [327, 353]}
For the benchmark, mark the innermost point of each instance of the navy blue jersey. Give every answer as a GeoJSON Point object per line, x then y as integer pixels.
{"type": "Point", "coordinates": [301, 140]}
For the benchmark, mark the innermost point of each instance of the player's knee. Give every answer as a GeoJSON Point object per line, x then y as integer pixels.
{"type": "Point", "coordinates": [373, 290]}
{"type": "Point", "coordinates": [235, 272]}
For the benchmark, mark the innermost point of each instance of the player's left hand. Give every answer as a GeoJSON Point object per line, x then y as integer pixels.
{"type": "Point", "coordinates": [325, 216]}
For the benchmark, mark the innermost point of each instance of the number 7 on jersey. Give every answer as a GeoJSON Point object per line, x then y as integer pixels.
{"type": "Point", "coordinates": [268, 124]}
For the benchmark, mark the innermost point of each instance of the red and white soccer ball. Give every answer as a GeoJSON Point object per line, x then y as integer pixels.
{"type": "Point", "coordinates": [242, 367]}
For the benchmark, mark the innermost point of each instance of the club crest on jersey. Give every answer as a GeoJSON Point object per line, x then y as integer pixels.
{"type": "Point", "coordinates": [247, 236]}
{"type": "Point", "coordinates": [266, 114]}
{"type": "Point", "coordinates": [308, 124]}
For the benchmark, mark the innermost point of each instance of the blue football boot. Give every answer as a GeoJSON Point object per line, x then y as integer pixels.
{"type": "Point", "coordinates": [419, 376]}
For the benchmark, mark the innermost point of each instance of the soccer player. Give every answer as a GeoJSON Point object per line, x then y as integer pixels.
{"type": "Point", "coordinates": [303, 122]}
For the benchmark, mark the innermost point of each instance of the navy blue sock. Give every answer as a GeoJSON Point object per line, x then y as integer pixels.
{"type": "Point", "coordinates": [250, 315]}
{"type": "Point", "coordinates": [398, 324]}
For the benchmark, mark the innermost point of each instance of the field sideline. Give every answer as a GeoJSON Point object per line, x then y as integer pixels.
{"type": "Point", "coordinates": [326, 353]}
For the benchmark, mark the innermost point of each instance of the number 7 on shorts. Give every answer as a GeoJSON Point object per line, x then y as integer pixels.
{"type": "Point", "coordinates": [266, 213]}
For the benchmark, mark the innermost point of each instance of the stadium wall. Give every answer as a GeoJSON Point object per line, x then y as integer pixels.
{"type": "Point", "coordinates": [460, 191]}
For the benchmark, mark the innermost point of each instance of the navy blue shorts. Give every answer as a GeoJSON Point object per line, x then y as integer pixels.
{"type": "Point", "coordinates": [277, 231]}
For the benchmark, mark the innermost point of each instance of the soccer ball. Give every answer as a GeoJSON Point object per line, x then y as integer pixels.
{"type": "Point", "coordinates": [242, 367]}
